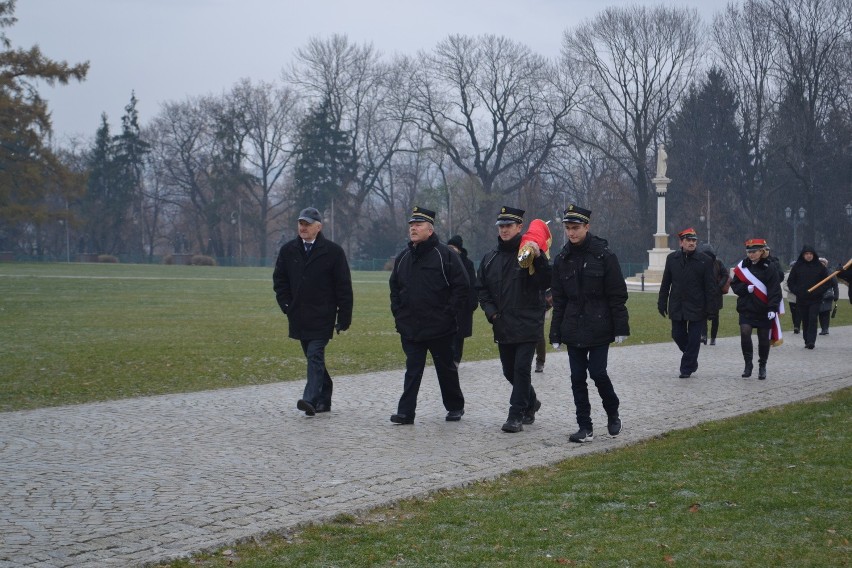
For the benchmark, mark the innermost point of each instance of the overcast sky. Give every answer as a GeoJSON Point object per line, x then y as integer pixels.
{"type": "Point", "coordinates": [168, 50]}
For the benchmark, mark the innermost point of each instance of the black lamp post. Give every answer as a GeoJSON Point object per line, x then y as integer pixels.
{"type": "Point", "coordinates": [796, 220]}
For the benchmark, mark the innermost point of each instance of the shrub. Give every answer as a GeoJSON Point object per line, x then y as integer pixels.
{"type": "Point", "coordinates": [107, 258]}
{"type": "Point", "coordinates": [203, 260]}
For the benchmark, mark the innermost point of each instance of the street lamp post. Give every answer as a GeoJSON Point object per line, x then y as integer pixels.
{"type": "Point", "coordinates": [704, 216]}
{"type": "Point", "coordinates": [796, 220]}
{"type": "Point", "coordinates": [849, 212]}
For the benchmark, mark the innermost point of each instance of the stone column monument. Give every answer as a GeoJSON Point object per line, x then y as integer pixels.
{"type": "Point", "coordinates": [657, 255]}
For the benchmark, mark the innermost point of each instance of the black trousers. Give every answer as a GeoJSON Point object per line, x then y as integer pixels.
{"type": "Point", "coordinates": [516, 359]}
{"type": "Point", "coordinates": [797, 317]}
{"type": "Point", "coordinates": [687, 336]}
{"type": "Point", "coordinates": [441, 350]}
{"type": "Point", "coordinates": [592, 360]}
{"type": "Point", "coordinates": [810, 315]}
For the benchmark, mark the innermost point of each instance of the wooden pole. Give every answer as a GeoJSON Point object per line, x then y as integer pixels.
{"type": "Point", "coordinates": [830, 276]}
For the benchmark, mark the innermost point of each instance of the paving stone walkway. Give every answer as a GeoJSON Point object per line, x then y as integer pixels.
{"type": "Point", "coordinates": [137, 481]}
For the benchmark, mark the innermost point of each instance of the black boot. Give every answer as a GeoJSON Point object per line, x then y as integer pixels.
{"type": "Point", "coordinates": [748, 354]}
{"type": "Point", "coordinates": [748, 367]}
{"type": "Point", "coordinates": [761, 370]}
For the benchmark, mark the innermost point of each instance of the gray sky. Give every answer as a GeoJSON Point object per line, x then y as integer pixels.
{"type": "Point", "coordinates": [168, 50]}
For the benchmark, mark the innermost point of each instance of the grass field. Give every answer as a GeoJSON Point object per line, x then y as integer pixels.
{"type": "Point", "coordinates": [75, 333]}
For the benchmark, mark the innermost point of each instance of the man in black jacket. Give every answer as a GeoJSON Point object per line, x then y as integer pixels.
{"type": "Point", "coordinates": [589, 313]}
{"type": "Point", "coordinates": [686, 294]}
{"type": "Point", "coordinates": [428, 288]}
{"type": "Point", "coordinates": [806, 272]}
{"type": "Point", "coordinates": [513, 302]}
{"type": "Point", "coordinates": [465, 319]}
{"type": "Point", "coordinates": [313, 287]}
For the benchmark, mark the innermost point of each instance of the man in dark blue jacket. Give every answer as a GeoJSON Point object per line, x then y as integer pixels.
{"type": "Point", "coordinates": [313, 287]}
{"type": "Point", "coordinates": [513, 302]}
{"type": "Point", "coordinates": [428, 288]}
{"type": "Point", "coordinates": [686, 296]}
{"type": "Point", "coordinates": [589, 313]}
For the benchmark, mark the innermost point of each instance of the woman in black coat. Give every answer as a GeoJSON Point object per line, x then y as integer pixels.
{"type": "Point", "coordinates": [465, 316]}
{"type": "Point", "coordinates": [806, 272]}
{"type": "Point", "coordinates": [758, 291]}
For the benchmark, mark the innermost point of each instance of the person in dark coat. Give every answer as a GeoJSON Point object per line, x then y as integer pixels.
{"type": "Point", "coordinates": [429, 287]}
{"type": "Point", "coordinates": [465, 319]}
{"type": "Point", "coordinates": [589, 313]}
{"type": "Point", "coordinates": [686, 295]}
{"type": "Point", "coordinates": [759, 298]}
{"type": "Point", "coordinates": [513, 302]}
{"type": "Point", "coordinates": [722, 278]}
{"type": "Point", "coordinates": [829, 297]}
{"type": "Point", "coordinates": [807, 272]}
{"type": "Point", "coordinates": [313, 287]}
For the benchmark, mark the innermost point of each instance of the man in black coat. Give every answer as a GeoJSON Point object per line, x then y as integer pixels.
{"type": "Point", "coordinates": [428, 289]}
{"type": "Point", "coordinates": [514, 305]}
{"type": "Point", "coordinates": [313, 287]}
{"type": "Point", "coordinates": [589, 313]}
{"type": "Point", "coordinates": [806, 272]}
{"type": "Point", "coordinates": [465, 318]}
{"type": "Point", "coordinates": [686, 295]}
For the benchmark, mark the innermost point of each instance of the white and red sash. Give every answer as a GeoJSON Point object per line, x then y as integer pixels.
{"type": "Point", "coordinates": [745, 275]}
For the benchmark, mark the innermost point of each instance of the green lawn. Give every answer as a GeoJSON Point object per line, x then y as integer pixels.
{"type": "Point", "coordinates": [74, 333]}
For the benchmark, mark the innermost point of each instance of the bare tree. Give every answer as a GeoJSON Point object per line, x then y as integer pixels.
{"type": "Point", "coordinates": [746, 50]}
{"type": "Point", "coordinates": [634, 64]}
{"type": "Point", "coordinates": [493, 106]}
{"type": "Point", "coordinates": [266, 115]}
{"type": "Point", "coordinates": [813, 37]}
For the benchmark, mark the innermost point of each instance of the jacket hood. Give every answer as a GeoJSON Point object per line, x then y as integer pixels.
{"type": "Point", "coordinates": [810, 249]}
{"type": "Point", "coordinates": [707, 249]}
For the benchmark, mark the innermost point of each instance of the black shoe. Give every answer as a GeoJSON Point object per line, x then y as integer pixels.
{"type": "Point", "coordinates": [529, 415]}
{"type": "Point", "coordinates": [455, 415]}
{"type": "Point", "coordinates": [713, 342]}
{"type": "Point", "coordinates": [513, 425]}
{"type": "Point", "coordinates": [747, 370]}
{"type": "Point", "coordinates": [306, 407]}
{"type": "Point", "coordinates": [539, 367]}
{"type": "Point", "coordinates": [824, 332]}
{"type": "Point", "coordinates": [320, 407]}
{"type": "Point", "coordinates": [401, 419]}
{"type": "Point", "coordinates": [761, 372]}
{"type": "Point", "coordinates": [704, 339]}
{"type": "Point", "coordinates": [685, 375]}
{"type": "Point", "coordinates": [809, 346]}
{"type": "Point", "coordinates": [613, 426]}
{"type": "Point", "coordinates": [796, 331]}
{"type": "Point", "coordinates": [581, 436]}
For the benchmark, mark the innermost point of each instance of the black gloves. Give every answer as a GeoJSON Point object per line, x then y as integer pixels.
{"type": "Point", "coordinates": [662, 312]}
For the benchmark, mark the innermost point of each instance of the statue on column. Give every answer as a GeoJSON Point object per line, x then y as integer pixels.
{"type": "Point", "coordinates": [662, 161]}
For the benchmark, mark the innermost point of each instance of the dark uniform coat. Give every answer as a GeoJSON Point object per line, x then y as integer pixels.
{"type": "Point", "coordinates": [751, 308]}
{"type": "Point", "coordinates": [589, 295]}
{"type": "Point", "coordinates": [313, 291]}
{"type": "Point", "coordinates": [804, 275]}
{"type": "Point", "coordinates": [428, 289]}
{"type": "Point", "coordinates": [513, 294]}
{"type": "Point", "coordinates": [465, 319]}
{"type": "Point", "coordinates": [688, 287]}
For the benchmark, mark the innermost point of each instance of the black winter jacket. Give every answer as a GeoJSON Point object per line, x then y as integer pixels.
{"type": "Point", "coordinates": [803, 275]}
{"type": "Point", "coordinates": [688, 288]}
{"type": "Point", "coordinates": [512, 294]}
{"type": "Point", "coordinates": [428, 288]}
{"type": "Point", "coordinates": [589, 295]}
{"type": "Point", "coordinates": [748, 304]}
{"type": "Point", "coordinates": [315, 291]}
{"type": "Point", "coordinates": [465, 317]}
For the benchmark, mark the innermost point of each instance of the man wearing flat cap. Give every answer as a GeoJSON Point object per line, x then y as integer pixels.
{"type": "Point", "coordinates": [512, 298]}
{"type": "Point", "coordinates": [313, 287]}
{"type": "Point", "coordinates": [589, 313]}
{"type": "Point", "coordinates": [428, 289]}
{"type": "Point", "coordinates": [686, 297]}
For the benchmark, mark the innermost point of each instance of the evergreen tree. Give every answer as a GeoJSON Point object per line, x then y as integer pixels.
{"type": "Point", "coordinates": [706, 152]}
{"type": "Point", "coordinates": [130, 151]}
{"type": "Point", "coordinates": [325, 162]}
{"type": "Point", "coordinates": [30, 174]}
